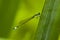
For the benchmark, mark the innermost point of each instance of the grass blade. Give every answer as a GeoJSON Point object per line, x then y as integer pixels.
{"type": "Point", "coordinates": [47, 29]}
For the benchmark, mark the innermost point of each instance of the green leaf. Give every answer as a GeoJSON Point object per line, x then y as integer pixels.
{"type": "Point", "coordinates": [49, 28]}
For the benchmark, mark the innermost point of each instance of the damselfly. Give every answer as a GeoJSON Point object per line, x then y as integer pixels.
{"type": "Point", "coordinates": [25, 21]}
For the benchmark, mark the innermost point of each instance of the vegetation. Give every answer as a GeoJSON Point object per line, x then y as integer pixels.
{"type": "Point", "coordinates": [13, 13]}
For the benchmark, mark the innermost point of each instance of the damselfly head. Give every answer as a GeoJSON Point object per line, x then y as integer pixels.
{"type": "Point", "coordinates": [37, 15]}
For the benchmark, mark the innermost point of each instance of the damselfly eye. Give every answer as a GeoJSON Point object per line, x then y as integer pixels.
{"type": "Point", "coordinates": [15, 28]}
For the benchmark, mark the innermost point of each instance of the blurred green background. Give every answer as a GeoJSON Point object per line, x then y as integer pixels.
{"type": "Point", "coordinates": [12, 12]}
